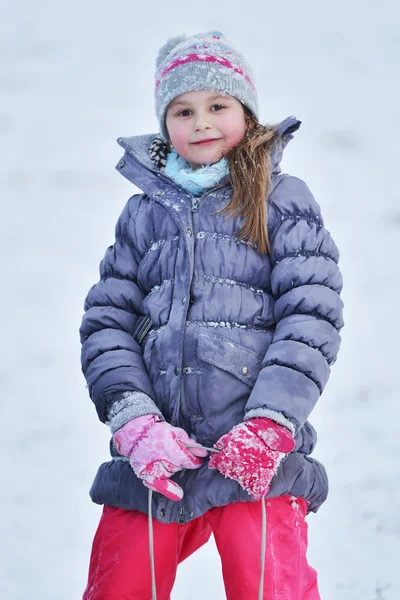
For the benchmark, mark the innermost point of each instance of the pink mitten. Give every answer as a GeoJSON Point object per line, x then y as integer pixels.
{"type": "Point", "coordinates": [156, 451]}
{"type": "Point", "coordinates": [251, 453]}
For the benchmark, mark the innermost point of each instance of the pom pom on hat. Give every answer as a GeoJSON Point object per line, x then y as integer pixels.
{"type": "Point", "coordinates": [169, 45]}
{"type": "Point", "coordinates": [205, 61]}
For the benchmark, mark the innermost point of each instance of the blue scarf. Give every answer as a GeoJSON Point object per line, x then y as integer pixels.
{"type": "Point", "coordinates": [194, 180]}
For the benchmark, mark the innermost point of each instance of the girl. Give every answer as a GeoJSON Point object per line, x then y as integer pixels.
{"type": "Point", "coordinates": [213, 327]}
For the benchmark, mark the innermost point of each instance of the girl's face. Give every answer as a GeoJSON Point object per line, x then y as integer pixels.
{"type": "Point", "coordinates": [204, 125]}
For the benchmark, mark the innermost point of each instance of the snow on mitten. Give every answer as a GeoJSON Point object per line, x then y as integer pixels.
{"type": "Point", "coordinates": [157, 450]}
{"type": "Point", "coordinates": [251, 453]}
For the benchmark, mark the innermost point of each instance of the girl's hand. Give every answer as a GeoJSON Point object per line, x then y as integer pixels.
{"type": "Point", "coordinates": [157, 450]}
{"type": "Point", "coordinates": [251, 454]}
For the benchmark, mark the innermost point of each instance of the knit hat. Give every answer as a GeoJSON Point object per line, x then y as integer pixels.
{"type": "Point", "coordinates": [206, 61]}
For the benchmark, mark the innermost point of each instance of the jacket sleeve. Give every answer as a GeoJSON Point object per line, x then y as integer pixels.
{"type": "Point", "coordinates": [111, 359]}
{"type": "Point", "coordinates": [306, 284]}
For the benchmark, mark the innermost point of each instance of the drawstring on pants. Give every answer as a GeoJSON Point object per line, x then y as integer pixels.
{"type": "Point", "coordinates": [151, 539]}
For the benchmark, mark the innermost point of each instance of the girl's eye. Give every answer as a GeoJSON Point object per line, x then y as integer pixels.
{"type": "Point", "coordinates": [182, 113]}
{"type": "Point", "coordinates": [186, 111]}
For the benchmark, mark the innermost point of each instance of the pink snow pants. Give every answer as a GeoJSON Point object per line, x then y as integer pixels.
{"type": "Point", "coordinates": [120, 565]}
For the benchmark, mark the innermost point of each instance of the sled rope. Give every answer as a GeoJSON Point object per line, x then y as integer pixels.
{"type": "Point", "coordinates": [151, 548]}
{"type": "Point", "coordinates": [151, 540]}
{"type": "Point", "coordinates": [263, 545]}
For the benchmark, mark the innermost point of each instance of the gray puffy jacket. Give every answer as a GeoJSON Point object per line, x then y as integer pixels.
{"type": "Point", "coordinates": [233, 334]}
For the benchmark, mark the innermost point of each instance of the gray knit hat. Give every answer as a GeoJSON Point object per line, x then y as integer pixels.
{"type": "Point", "coordinates": [206, 61]}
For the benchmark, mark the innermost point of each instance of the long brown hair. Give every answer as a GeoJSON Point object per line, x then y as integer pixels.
{"type": "Point", "coordinates": [250, 173]}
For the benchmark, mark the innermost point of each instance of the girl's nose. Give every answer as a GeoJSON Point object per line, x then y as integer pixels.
{"type": "Point", "coordinates": [202, 122]}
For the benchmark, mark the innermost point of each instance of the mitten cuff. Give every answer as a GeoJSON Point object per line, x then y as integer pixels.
{"type": "Point", "coordinates": [275, 436]}
{"type": "Point", "coordinates": [130, 405]}
{"type": "Point", "coordinates": [278, 417]}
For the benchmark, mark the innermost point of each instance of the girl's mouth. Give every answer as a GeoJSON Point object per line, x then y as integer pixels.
{"type": "Point", "coordinates": [206, 142]}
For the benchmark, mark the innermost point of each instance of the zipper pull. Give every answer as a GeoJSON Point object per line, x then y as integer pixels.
{"type": "Point", "coordinates": [195, 203]}
{"type": "Point", "coordinates": [181, 519]}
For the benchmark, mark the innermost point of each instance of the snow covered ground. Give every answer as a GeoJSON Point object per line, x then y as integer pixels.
{"type": "Point", "coordinates": [76, 75]}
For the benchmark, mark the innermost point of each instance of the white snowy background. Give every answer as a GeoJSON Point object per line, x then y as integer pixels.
{"type": "Point", "coordinates": [75, 76]}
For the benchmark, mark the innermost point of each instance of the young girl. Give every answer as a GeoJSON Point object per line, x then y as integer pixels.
{"type": "Point", "coordinates": [208, 340]}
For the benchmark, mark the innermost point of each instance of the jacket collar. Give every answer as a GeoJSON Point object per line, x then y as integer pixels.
{"type": "Point", "coordinates": [137, 166]}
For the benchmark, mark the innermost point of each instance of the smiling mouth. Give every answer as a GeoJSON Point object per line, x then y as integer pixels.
{"type": "Point", "coordinates": [206, 142]}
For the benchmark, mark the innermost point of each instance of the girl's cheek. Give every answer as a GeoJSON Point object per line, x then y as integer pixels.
{"type": "Point", "coordinates": [179, 136]}
{"type": "Point", "coordinates": [179, 142]}
{"type": "Point", "coordinates": [236, 136]}
{"type": "Point", "coordinates": [234, 130]}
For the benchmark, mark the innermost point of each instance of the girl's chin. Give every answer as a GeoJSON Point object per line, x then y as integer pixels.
{"type": "Point", "coordinates": [206, 159]}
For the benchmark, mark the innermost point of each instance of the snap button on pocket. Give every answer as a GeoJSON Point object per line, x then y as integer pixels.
{"type": "Point", "coordinates": [223, 353]}
{"type": "Point", "coordinates": [162, 512]}
{"type": "Point", "coordinates": [121, 163]}
{"type": "Point", "coordinates": [188, 231]}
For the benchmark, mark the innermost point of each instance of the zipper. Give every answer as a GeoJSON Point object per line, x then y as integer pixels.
{"type": "Point", "coordinates": [182, 407]}
{"type": "Point", "coordinates": [196, 199]}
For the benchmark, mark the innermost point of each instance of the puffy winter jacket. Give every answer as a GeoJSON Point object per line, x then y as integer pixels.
{"type": "Point", "coordinates": [234, 333]}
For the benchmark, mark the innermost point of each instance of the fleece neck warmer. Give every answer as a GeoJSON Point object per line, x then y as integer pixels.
{"type": "Point", "coordinates": [194, 180]}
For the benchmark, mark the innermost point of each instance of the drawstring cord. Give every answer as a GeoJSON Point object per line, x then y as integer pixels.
{"type": "Point", "coordinates": [151, 539]}
{"type": "Point", "coordinates": [151, 549]}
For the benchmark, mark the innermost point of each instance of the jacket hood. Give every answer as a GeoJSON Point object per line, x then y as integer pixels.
{"type": "Point", "coordinates": [137, 166]}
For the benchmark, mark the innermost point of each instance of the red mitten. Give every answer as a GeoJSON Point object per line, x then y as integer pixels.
{"type": "Point", "coordinates": [251, 453]}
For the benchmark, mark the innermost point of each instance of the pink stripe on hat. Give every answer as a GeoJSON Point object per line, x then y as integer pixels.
{"type": "Point", "coordinates": [203, 58]}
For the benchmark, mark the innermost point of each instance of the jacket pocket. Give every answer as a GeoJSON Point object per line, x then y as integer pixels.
{"type": "Point", "coordinates": [243, 363]}
{"type": "Point", "coordinates": [227, 374]}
